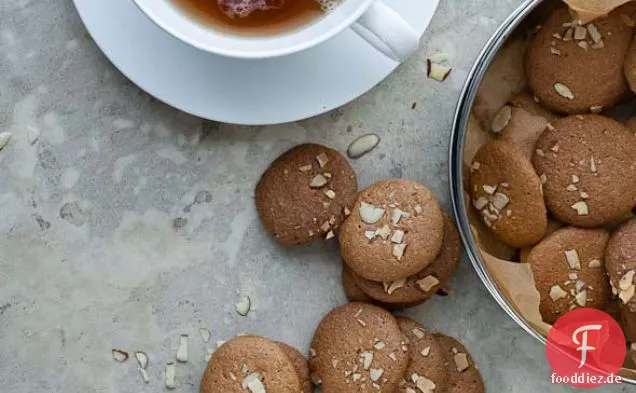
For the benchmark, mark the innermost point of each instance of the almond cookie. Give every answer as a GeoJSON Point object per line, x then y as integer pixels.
{"type": "Point", "coordinates": [462, 373]}
{"type": "Point", "coordinates": [300, 365]}
{"type": "Point", "coordinates": [250, 363]}
{"type": "Point", "coordinates": [507, 192]}
{"type": "Point", "coordinates": [620, 262]}
{"type": "Point", "coordinates": [587, 164]}
{"type": "Point", "coordinates": [426, 371]}
{"type": "Point", "coordinates": [519, 128]}
{"type": "Point", "coordinates": [358, 347]}
{"type": "Point", "coordinates": [421, 286]}
{"type": "Point", "coordinates": [578, 69]}
{"type": "Point", "coordinates": [395, 230]}
{"type": "Point", "coordinates": [630, 67]}
{"type": "Point", "coordinates": [307, 192]}
{"type": "Point", "coordinates": [353, 292]}
{"type": "Point", "coordinates": [568, 271]}
{"type": "Point", "coordinates": [531, 104]}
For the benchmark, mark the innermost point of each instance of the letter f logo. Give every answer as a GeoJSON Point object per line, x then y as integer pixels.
{"type": "Point", "coordinates": [583, 343]}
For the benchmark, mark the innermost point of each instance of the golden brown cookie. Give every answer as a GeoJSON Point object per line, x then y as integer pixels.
{"type": "Point", "coordinates": [568, 271]}
{"type": "Point", "coordinates": [358, 347]}
{"type": "Point", "coordinates": [395, 230]}
{"type": "Point", "coordinates": [630, 67]}
{"type": "Point", "coordinates": [300, 365]}
{"type": "Point", "coordinates": [250, 363]}
{"type": "Point", "coordinates": [507, 192]}
{"type": "Point", "coordinates": [421, 286]}
{"type": "Point", "coordinates": [426, 369]}
{"type": "Point", "coordinates": [531, 104]}
{"type": "Point", "coordinates": [462, 373]}
{"type": "Point", "coordinates": [587, 164]}
{"type": "Point", "coordinates": [578, 69]}
{"type": "Point", "coordinates": [307, 192]}
{"type": "Point", "coordinates": [353, 292]}
{"type": "Point", "coordinates": [520, 128]}
{"type": "Point", "coordinates": [620, 262]}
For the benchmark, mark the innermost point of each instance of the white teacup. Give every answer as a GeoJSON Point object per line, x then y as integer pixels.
{"type": "Point", "coordinates": [378, 24]}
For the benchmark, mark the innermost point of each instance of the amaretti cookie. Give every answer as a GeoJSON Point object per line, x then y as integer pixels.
{"type": "Point", "coordinates": [300, 365]}
{"type": "Point", "coordinates": [578, 69]}
{"type": "Point", "coordinates": [588, 167]}
{"type": "Point", "coordinates": [519, 128]}
{"type": "Point", "coordinates": [507, 192]}
{"type": "Point", "coordinates": [421, 286]}
{"type": "Point", "coordinates": [569, 272]}
{"type": "Point", "coordinates": [426, 371]}
{"type": "Point", "coordinates": [306, 193]}
{"type": "Point", "coordinates": [250, 363]}
{"type": "Point", "coordinates": [358, 347]}
{"type": "Point", "coordinates": [462, 373]}
{"type": "Point", "coordinates": [395, 230]}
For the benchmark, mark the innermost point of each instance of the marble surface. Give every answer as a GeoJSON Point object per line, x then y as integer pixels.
{"type": "Point", "coordinates": [128, 223]}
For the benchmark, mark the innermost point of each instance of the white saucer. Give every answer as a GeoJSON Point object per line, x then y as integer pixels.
{"type": "Point", "coordinates": [241, 91]}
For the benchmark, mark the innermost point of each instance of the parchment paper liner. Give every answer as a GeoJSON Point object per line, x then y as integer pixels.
{"type": "Point", "coordinates": [505, 77]}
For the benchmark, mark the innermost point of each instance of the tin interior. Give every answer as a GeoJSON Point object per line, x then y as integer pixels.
{"type": "Point", "coordinates": [519, 23]}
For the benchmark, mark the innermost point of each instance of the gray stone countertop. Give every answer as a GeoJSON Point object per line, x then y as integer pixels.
{"type": "Point", "coordinates": [101, 245]}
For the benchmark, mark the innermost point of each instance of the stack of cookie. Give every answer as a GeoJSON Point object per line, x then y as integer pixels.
{"type": "Point", "coordinates": [559, 181]}
{"type": "Point", "coordinates": [398, 246]}
{"type": "Point", "coordinates": [399, 249]}
{"type": "Point", "coordinates": [363, 348]}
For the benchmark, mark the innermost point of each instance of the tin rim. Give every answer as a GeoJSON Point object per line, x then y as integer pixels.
{"type": "Point", "coordinates": [456, 150]}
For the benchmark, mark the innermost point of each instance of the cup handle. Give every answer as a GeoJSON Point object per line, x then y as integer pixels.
{"type": "Point", "coordinates": [387, 31]}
